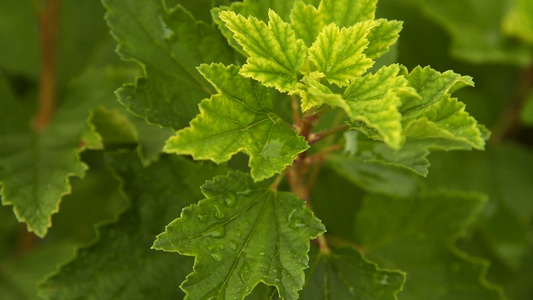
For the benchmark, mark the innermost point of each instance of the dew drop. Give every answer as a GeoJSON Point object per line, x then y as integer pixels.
{"type": "Point", "coordinates": [262, 253]}
{"type": "Point", "coordinates": [291, 214]}
{"type": "Point", "coordinates": [202, 218]}
{"type": "Point", "coordinates": [297, 223]}
{"type": "Point", "coordinates": [243, 272]}
{"type": "Point", "coordinates": [230, 200]}
{"type": "Point", "coordinates": [239, 232]}
{"type": "Point", "coordinates": [216, 256]}
{"type": "Point", "coordinates": [384, 280]}
{"type": "Point", "coordinates": [216, 232]}
{"type": "Point", "coordinates": [233, 245]}
{"type": "Point", "coordinates": [220, 246]}
{"type": "Point", "coordinates": [245, 192]}
{"type": "Point", "coordinates": [207, 241]}
{"type": "Point", "coordinates": [218, 213]}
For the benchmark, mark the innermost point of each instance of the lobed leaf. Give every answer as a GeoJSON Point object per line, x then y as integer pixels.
{"type": "Point", "coordinates": [435, 115]}
{"type": "Point", "coordinates": [381, 37]}
{"type": "Point", "coordinates": [241, 234]}
{"type": "Point", "coordinates": [344, 273]}
{"type": "Point", "coordinates": [275, 54]}
{"type": "Point", "coordinates": [121, 254]}
{"type": "Point", "coordinates": [306, 21]}
{"type": "Point", "coordinates": [169, 44]}
{"type": "Point", "coordinates": [35, 165]}
{"type": "Point", "coordinates": [418, 236]}
{"type": "Point", "coordinates": [239, 118]}
{"type": "Point", "coordinates": [375, 100]}
{"type": "Point", "coordinates": [338, 53]}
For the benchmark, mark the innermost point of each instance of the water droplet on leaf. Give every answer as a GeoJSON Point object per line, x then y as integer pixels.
{"type": "Point", "coordinates": [216, 232]}
{"type": "Point", "coordinates": [233, 245]}
{"type": "Point", "coordinates": [218, 213]}
{"type": "Point", "coordinates": [230, 200]}
{"type": "Point", "coordinates": [202, 218]}
{"type": "Point", "coordinates": [216, 256]}
{"type": "Point", "coordinates": [297, 223]}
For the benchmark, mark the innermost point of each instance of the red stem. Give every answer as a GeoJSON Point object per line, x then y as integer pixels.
{"type": "Point", "coordinates": [48, 36]}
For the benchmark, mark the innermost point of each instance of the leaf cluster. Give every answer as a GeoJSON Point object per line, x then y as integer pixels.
{"type": "Point", "coordinates": [264, 149]}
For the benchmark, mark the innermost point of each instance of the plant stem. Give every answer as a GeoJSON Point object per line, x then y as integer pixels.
{"type": "Point", "coordinates": [278, 179]}
{"type": "Point", "coordinates": [319, 136]}
{"type": "Point", "coordinates": [48, 36]}
{"type": "Point", "coordinates": [295, 111]}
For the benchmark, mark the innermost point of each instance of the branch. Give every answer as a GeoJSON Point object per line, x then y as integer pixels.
{"type": "Point", "coordinates": [48, 29]}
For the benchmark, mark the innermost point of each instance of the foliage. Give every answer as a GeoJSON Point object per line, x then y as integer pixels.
{"type": "Point", "coordinates": [300, 149]}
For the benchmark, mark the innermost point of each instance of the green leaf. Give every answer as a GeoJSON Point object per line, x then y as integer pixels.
{"type": "Point", "coordinates": [338, 53]}
{"type": "Point", "coordinates": [418, 236]}
{"type": "Point", "coordinates": [306, 21]}
{"type": "Point", "coordinates": [121, 255]}
{"type": "Point", "coordinates": [436, 116]}
{"type": "Point", "coordinates": [375, 100]}
{"type": "Point", "coordinates": [412, 156]}
{"type": "Point", "coordinates": [275, 55]}
{"type": "Point", "coordinates": [20, 48]}
{"type": "Point", "coordinates": [169, 44]}
{"type": "Point", "coordinates": [35, 166]}
{"type": "Point", "coordinates": [477, 35]}
{"type": "Point", "coordinates": [375, 176]}
{"type": "Point", "coordinates": [243, 233]}
{"type": "Point", "coordinates": [118, 128]}
{"type": "Point", "coordinates": [238, 119]}
{"type": "Point", "coordinates": [344, 273]}
{"type": "Point", "coordinates": [381, 37]}
{"type": "Point", "coordinates": [504, 173]}
{"type": "Point", "coordinates": [346, 13]}
{"type": "Point", "coordinates": [519, 21]}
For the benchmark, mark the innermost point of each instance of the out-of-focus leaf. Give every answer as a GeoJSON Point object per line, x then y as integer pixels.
{"type": "Point", "coordinates": [121, 255]}
{"type": "Point", "coordinates": [417, 235]}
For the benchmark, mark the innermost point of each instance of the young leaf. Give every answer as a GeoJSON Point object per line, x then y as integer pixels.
{"type": "Point", "coordinates": [306, 21]}
{"type": "Point", "coordinates": [121, 254]}
{"type": "Point", "coordinates": [375, 99]}
{"type": "Point", "coordinates": [418, 236]}
{"type": "Point", "coordinates": [250, 8]}
{"type": "Point", "coordinates": [338, 53]}
{"type": "Point", "coordinates": [239, 118]}
{"type": "Point", "coordinates": [381, 37]}
{"type": "Point", "coordinates": [276, 56]}
{"type": "Point", "coordinates": [169, 44]}
{"type": "Point", "coordinates": [344, 273]}
{"type": "Point", "coordinates": [438, 116]}
{"type": "Point", "coordinates": [243, 233]}
{"type": "Point", "coordinates": [346, 13]}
